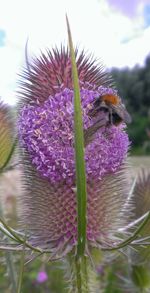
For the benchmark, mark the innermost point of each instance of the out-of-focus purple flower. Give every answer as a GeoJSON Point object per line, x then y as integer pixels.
{"type": "Point", "coordinates": [42, 277]}
{"type": "Point", "coordinates": [100, 270]}
{"type": "Point", "coordinates": [45, 127]}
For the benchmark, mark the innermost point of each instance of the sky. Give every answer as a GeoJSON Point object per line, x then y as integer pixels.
{"type": "Point", "coordinates": [114, 31]}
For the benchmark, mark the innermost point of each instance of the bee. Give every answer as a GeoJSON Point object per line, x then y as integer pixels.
{"type": "Point", "coordinates": [113, 105]}
{"type": "Point", "coordinates": [115, 110]}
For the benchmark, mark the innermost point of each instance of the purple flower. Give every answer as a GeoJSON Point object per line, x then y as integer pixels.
{"type": "Point", "coordinates": [46, 131]}
{"type": "Point", "coordinates": [45, 126]}
{"type": "Point", "coordinates": [42, 277]}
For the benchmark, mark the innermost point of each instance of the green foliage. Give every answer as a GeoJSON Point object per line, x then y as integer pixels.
{"type": "Point", "coordinates": [134, 87]}
{"type": "Point", "coordinates": [54, 283]}
{"type": "Point", "coordinates": [140, 276]}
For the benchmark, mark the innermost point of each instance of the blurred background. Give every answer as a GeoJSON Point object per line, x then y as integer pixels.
{"type": "Point", "coordinates": [115, 31]}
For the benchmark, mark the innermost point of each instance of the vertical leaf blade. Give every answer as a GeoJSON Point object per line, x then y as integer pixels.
{"type": "Point", "coordinates": [79, 153]}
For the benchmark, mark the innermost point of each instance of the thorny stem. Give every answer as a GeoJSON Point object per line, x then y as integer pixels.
{"type": "Point", "coordinates": [133, 237]}
{"type": "Point", "coordinates": [10, 265]}
{"type": "Point", "coordinates": [12, 273]}
{"type": "Point", "coordinates": [11, 248]}
{"type": "Point", "coordinates": [18, 239]}
{"type": "Point", "coordinates": [82, 279]}
{"type": "Point", "coordinates": [78, 275]}
{"type": "Point", "coordinates": [21, 269]}
{"type": "Point", "coordinates": [28, 246]}
{"type": "Point", "coordinates": [7, 233]}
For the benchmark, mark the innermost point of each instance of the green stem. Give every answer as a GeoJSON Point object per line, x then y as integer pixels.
{"type": "Point", "coordinates": [10, 265]}
{"type": "Point", "coordinates": [82, 277]}
{"type": "Point", "coordinates": [21, 270]}
{"type": "Point", "coordinates": [78, 275]}
{"type": "Point", "coordinates": [18, 239]}
{"type": "Point", "coordinates": [11, 271]}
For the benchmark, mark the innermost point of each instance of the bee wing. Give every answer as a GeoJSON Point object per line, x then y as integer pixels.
{"type": "Point", "coordinates": [89, 132]}
{"type": "Point", "coordinates": [122, 112]}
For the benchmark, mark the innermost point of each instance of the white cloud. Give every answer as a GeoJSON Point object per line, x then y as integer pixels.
{"type": "Point", "coordinates": [94, 26]}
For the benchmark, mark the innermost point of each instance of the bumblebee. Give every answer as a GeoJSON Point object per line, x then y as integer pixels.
{"type": "Point", "coordinates": [113, 105]}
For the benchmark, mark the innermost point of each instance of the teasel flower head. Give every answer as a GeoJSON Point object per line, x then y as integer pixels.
{"type": "Point", "coordinates": [46, 138]}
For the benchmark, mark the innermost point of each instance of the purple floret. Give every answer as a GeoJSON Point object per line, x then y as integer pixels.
{"type": "Point", "coordinates": [46, 132]}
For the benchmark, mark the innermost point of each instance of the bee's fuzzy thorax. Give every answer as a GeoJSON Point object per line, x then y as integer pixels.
{"type": "Point", "coordinates": [112, 99]}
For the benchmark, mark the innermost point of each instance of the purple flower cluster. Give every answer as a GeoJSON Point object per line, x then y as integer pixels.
{"type": "Point", "coordinates": [46, 143]}
{"type": "Point", "coordinates": [107, 91]}
{"type": "Point", "coordinates": [46, 132]}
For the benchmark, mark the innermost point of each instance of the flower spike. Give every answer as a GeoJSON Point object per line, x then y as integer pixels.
{"type": "Point", "coordinates": [46, 144]}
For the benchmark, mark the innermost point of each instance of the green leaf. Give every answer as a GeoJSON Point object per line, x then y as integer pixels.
{"type": "Point", "coordinates": [7, 141]}
{"type": "Point", "coordinates": [140, 276]}
{"type": "Point", "coordinates": [79, 154]}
